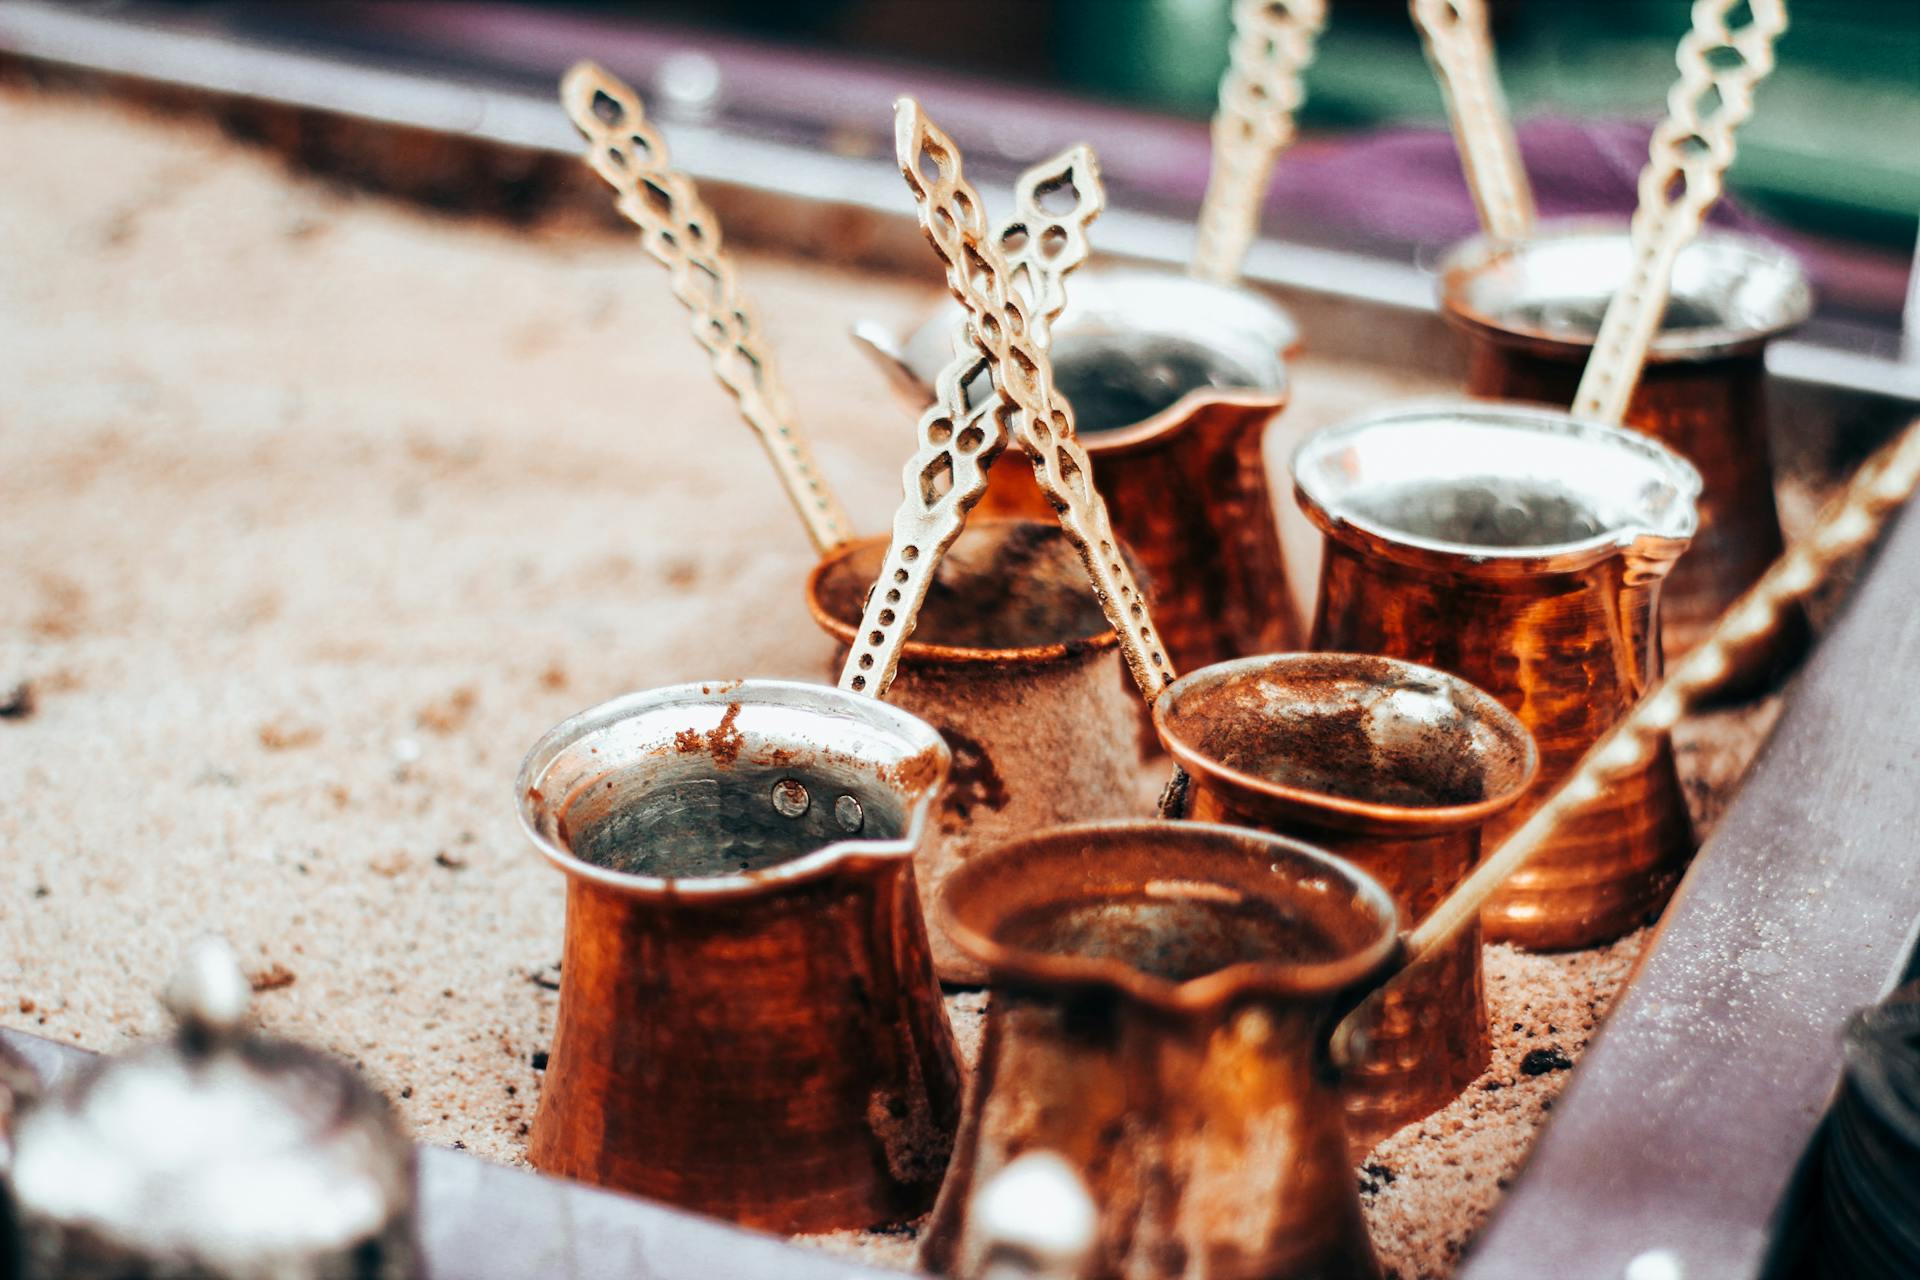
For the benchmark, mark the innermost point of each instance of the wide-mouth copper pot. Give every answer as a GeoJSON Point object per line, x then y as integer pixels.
{"type": "Point", "coordinates": [1523, 550]}
{"type": "Point", "coordinates": [1014, 663]}
{"type": "Point", "coordinates": [1395, 767]}
{"type": "Point", "coordinates": [1531, 312]}
{"type": "Point", "coordinates": [749, 1023]}
{"type": "Point", "coordinates": [1163, 994]}
{"type": "Point", "coordinates": [1173, 383]}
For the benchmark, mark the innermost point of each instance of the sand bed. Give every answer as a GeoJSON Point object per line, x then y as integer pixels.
{"type": "Point", "coordinates": [316, 510]}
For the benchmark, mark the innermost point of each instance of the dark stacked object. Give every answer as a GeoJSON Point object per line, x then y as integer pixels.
{"type": "Point", "coordinates": [1869, 1216]}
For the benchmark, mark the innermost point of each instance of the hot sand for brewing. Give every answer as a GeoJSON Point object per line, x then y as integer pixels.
{"type": "Point", "coordinates": [316, 510]}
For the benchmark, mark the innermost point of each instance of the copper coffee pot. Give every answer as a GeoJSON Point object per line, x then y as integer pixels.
{"type": "Point", "coordinates": [1174, 382]}
{"type": "Point", "coordinates": [749, 1024]}
{"type": "Point", "coordinates": [1395, 767]}
{"type": "Point", "coordinates": [1531, 311]}
{"type": "Point", "coordinates": [1013, 694]}
{"type": "Point", "coordinates": [1174, 379]}
{"type": "Point", "coordinates": [1650, 324]}
{"type": "Point", "coordinates": [1015, 665]}
{"type": "Point", "coordinates": [1523, 550]}
{"type": "Point", "coordinates": [1163, 993]}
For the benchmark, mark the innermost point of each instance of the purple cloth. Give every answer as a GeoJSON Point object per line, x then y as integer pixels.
{"type": "Point", "coordinates": [1406, 185]}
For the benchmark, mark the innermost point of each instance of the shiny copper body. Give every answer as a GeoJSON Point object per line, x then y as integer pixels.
{"type": "Point", "coordinates": [1014, 663]}
{"type": "Point", "coordinates": [1395, 767]}
{"type": "Point", "coordinates": [1530, 314]}
{"type": "Point", "coordinates": [1523, 551]}
{"type": "Point", "coordinates": [1188, 493]}
{"type": "Point", "coordinates": [1163, 994]}
{"type": "Point", "coordinates": [1173, 383]}
{"type": "Point", "coordinates": [749, 1024]}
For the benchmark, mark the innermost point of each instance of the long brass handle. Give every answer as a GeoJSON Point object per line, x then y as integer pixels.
{"type": "Point", "coordinates": [1691, 149]}
{"type": "Point", "coordinates": [1273, 41]}
{"type": "Point", "coordinates": [1459, 47]}
{"type": "Point", "coordinates": [680, 231]}
{"type": "Point", "coordinates": [965, 428]}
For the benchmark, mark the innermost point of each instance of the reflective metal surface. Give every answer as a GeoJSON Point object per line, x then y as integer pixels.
{"type": "Point", "coordinates": [483, 1221]}
{"type": "Point", "coordinates": [1522, 550]}
{"type": "Point", "coordinates": [1036, 1221]}
{"type": "Point", "coordinates": [1502, 490]}
{"type": "Point", "coordinates": [1730, 292]}
{"type": "Point", "coordinates": [1224, 338]}
{"type": "Point", "coordinates": [1531, 313]}
{"type": "Point", "coordinates": [1395, 767]}
{"type": "Point", "coordinates": [749, 1024]}
{"type": "Point", "coordinates": [218, 1155]}
{"type": "Point", "coordinates": [1173, 382]}
{"type": "Point", "coordinates": [1686, 1130]}
{"type": "Point", "coordinates": [1162, 997]}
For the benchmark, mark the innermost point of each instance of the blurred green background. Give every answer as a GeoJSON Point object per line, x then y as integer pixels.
{"type": "Point", "coordinates": [1834, 146]}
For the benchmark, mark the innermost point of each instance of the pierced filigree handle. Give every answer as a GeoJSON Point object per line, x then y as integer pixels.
{"type": "Point", "coordinates": [1273, 41]}
{"type": "Point", "coordinates": [1041, 247]}
{"type": "Point", "coordinates": [1691, 149]}
{"type": "Point", "coordinates": [1460, 49]}
{"type": "Point", "coordinates": [1004, 327]}
{"type": "Point", "coordinates": [960, 439]}
{"type": "Point", "coordinates": [680, 231]}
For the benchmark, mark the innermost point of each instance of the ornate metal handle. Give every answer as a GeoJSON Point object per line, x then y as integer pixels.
{"type": "Point", "coordinates": [1460, 50]}
{"type": "Point", "coordinates": [681, 232]}
{"type": "Point", "coordinates": [1011, 333]}
{"type": "Point", "coordinates": [960, 439]}
{"type": "Point", "coordinates": [1692, 147]}
{"type": "Point", "coordinates": [1273, 41]}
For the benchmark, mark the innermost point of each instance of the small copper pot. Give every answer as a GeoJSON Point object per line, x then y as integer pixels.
{"type": "Point", "coordinates": [1013, 662]}
{"type": "Point", "coordinates": [1163, 994]}
{"type": "Point", "coordinates": [1523, 550]}
{"type": "Point", "coordinates": [1531, 313]}
{"type": "Point", "coordinates": [1395, 767]}
{"type": "Point", "coordinates": [1173, 383]}
{"type": "Point", "coordinates": [749, 1024]}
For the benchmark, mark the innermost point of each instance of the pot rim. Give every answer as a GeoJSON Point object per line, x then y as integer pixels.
{"type": "Point", "coordinates": [1017, 966]}
{"type": "Point", "coordinates": [1652, 540]}
{"type": "Point", "coordinates": [928, 651]}
{"type": "Point", "coordinates": [1736, 253]}
{"type": "Point", "coordinates": [814, 865]}
{"type": "Point", "coordinates": [1376, 814]}
{"type": "Point", "coordinates": [1084, 290]}
{"type": "Point", "coordinates": [1154, 428]}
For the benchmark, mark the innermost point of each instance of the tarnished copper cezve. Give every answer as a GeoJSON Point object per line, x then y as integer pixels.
{"type": "Point", "coordinates": [1173, 383]}
{"type": "Point", "coordinates": [1395, 767]}
{"type": "Point", "coordinates": [1163, 994]}
{"type": "Point", "coordinates": [1522, 550]}
{"type": "Point", "coordinates": [1014, 663]}
{"type": "Point", "coordinates": [1531, 313]}
{"type": "Point", "coordinates": [749, 1024]}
